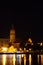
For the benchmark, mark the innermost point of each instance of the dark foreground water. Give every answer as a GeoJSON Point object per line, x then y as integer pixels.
{"type": "Point", "coordinates": [21, 59]}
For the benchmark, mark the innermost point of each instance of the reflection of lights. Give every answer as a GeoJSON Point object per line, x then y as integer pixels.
{"type": "Point", "coordinates": [19, 58]}
{"type": "Point", "coordinates": [24, 59]}
{"type": "Point", "coordinates": [29, 59]}
{"type": "Point", "coordinates": [4, 59]}
{"type": "Point", "coordinates": [10, 55]}
{"type": "Point", "coordinates": [14, 59]}
{"type": "Point", "coordinates": [12, 49]}
{"type": "Point", "coordinates": [42, 59]}
{"type": "Point", "coordinates": [38, 57]}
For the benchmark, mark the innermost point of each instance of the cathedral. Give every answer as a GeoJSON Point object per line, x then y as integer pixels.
{"type": "Point", "coordinates": [11, 41]}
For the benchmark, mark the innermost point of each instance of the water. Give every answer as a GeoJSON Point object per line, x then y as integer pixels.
{"type": "Point", "coordinates": [21, 59]}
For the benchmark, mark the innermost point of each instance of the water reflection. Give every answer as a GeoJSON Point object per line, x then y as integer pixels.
{"type": "Point", "coordinates": [30, 59]}
{"type": "Point", "coordinates": [4, 59]}
{"type": "Point", "coordinates": [21, 59]}
{"type": "Point", "coordinates": [18, 59]}
{"type": "Point", "coordinates": [42, 59]}
{"type": "Point", "coordinates": [24, 59]}
{"type": "Point", "coordinates": [14, 59]}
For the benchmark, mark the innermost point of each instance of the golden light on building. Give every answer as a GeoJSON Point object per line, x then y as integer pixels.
{"type": "Point", "coordinates": [30, 40]}
{"type": "Point", "coordinates": [20, 49]}
{"type": "Point", "coordinates": [41, 44]}
{"type": "Point", "coordinates": [12, 34]}
{"type": "Point", "coordinates": [24, 49]}
{"type": "Point", "coordinates": [29, 49]}
{"type": "Point", "coordinates": [11, 42]}
{"type": "Point", "coordinates": [15, 49]}
{"type": "Point", "coordinates": [4, 49]}
{"type": "Point", "coordinates": [11, 49]}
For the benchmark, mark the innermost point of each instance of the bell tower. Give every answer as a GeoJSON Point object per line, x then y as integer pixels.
{"type": "Point", "coordinates": [12, 34]}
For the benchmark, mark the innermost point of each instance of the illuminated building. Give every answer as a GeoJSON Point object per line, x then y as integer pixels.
{"type": "Point", "coordinates": [11, 41]}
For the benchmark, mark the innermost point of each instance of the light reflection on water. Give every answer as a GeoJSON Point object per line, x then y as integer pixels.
{"type": "Point", "coordinates": [24, 59]}
{"type": "Point", "coordinates": [29, 59]}
{"type": "Point", "coordinates": [18, 59]}
{"type": "Point", "coordinates": [42, 59]}
{"type": "Point", "coordinates": [4, 59]}
{"type": "Point", "coordinates": [14, 59]}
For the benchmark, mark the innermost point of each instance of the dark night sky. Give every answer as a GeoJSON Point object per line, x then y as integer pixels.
{"type": "Point", "coordinates": [25, 22]}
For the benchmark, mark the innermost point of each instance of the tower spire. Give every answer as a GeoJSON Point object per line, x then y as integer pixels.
{"type": "Point", "coordinates": [12, 27]}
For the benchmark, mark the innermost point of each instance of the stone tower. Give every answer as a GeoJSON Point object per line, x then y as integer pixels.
{"type": "Point", "coordinates": [12, 34]}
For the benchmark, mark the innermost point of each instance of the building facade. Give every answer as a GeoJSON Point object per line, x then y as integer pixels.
{"type": "Point", "coordinates": [11, 41]}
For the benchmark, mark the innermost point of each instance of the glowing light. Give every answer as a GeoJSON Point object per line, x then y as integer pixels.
{"type": "Point", "coordinates": [11, 49]}
{"type": "Point", "coordinates": [22, 55]}
{"type": "Point", "coordinates": [30, 40]}
{"type": "Point", "coordinates": [40, 44]}
{"type": "Point", "coordinates": [4, 59]}
{"type": "Point", "coordinates": [20, 49]}
{"type": "Point", "coordinates": [15, 50]}
{"type": "Point", "coordinates": [24, 59]}
{"type": "Point", "coordinates": [4, 49]}
{"type": "Point", "coordinates": [42, 59]}
{"type": "Point", "coordinates": [29, 49]}
{"type": "Point", "coordinates": [30, 59]}
{"type": "Point", "coordinates": [38, 58]}
{"type": "Point", "coordinates": [14, 59]}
